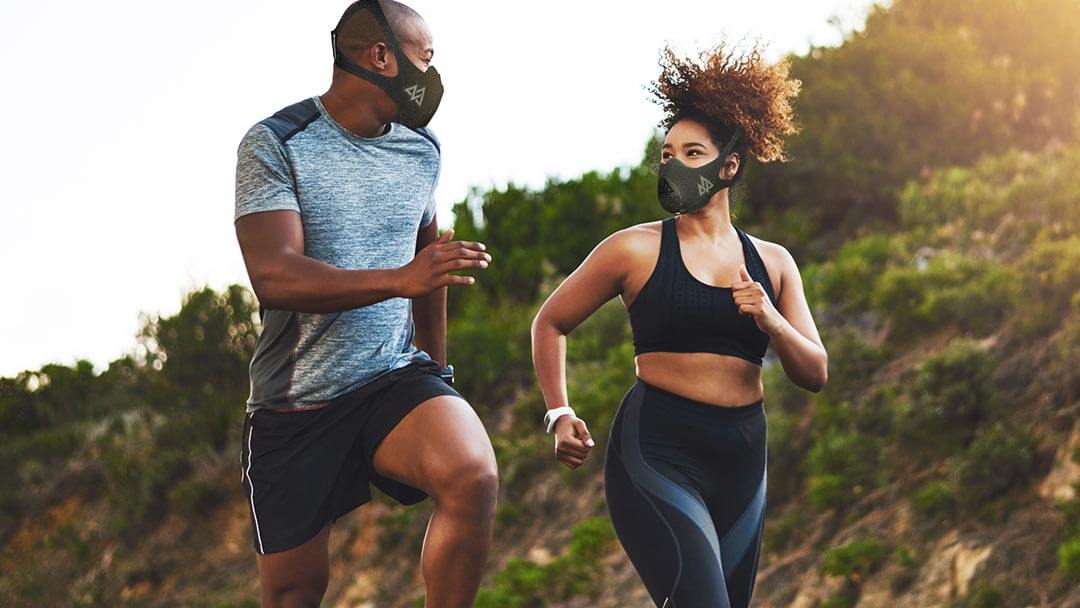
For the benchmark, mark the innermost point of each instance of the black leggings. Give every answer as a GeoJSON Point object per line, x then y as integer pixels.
{"type": "Point", "coordinates": [685, 486]}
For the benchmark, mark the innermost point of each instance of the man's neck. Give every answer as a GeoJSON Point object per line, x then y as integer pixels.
{"type": "Point", "coordinates": [353, 114]}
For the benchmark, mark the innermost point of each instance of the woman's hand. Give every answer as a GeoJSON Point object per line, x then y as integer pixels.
{"type": "Point", "coordinates": [752, 300]}
{"type": "Point", "coordinates": [572, 440]}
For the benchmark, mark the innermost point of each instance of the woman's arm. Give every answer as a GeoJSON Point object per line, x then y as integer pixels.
{"type": "Point", "coordinates": [792, 331]}
{"type": "Point", "coordinates": [598, 279]}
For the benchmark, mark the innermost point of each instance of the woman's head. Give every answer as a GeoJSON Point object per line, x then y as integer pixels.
{"type": "Point", "coordinates": [706, 101]}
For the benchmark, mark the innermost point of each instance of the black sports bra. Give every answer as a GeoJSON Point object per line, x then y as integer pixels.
{"type": "Point", "coordinates": [675, 312]}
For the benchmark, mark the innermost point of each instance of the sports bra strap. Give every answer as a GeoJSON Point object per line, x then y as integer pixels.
{"type": "Point", "coordinates": [755, 265]}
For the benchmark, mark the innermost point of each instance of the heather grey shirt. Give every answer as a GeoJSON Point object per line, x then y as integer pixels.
{"type": "Point", "coordinates": [361, 202]}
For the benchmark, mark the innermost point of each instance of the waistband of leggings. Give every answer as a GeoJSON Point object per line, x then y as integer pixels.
{"type": "Point", "coordinates": [712, 411]}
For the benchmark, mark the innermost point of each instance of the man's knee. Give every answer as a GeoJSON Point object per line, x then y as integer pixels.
{"type": "Point", "coordinates": [472, 483]}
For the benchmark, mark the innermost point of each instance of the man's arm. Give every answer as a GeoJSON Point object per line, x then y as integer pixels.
{"type": "Point", "coordinates": [429, 311]}
{"type": "Point", "coordinates": [283, 278]}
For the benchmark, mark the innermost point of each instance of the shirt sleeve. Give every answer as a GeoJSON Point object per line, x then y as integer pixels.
{"type": "Point", "coordinates": [263, 179]}
{"type": "Point", "coordinates": [429, 211]}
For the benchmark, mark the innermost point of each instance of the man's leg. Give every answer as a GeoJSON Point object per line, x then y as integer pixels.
{"type": "Point", "coordinates": [296, 578]}
{"type": "Point", "coordinates": [442, 448]}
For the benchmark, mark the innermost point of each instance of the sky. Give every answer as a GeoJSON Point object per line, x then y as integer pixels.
{"type": "Point", "coordinates": [123, 118]}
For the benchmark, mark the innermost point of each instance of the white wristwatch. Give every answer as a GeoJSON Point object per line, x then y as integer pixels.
{"type": "Point", "coordinates": [554, 414]}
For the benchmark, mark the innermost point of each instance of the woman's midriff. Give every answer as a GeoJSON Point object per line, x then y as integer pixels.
{"type": "Point", "coordinates": [717, 379]}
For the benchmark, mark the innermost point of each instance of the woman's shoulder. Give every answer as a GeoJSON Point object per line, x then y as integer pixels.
{"type": "Point", "coordinates": [639, 239]}
{"type": "Point", "coordinates": [777, 259]}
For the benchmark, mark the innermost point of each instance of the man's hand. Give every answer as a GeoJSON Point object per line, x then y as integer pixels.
{"type": "Point", "coordinates": [431, 267]}
{"type": "Point", "coordinates": [572, 440]}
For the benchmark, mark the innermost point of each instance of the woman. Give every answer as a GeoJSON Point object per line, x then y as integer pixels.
{"type": "Point", "coordinates": [684, 473]}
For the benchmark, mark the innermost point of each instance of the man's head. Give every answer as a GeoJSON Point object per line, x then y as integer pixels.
{"type": "Point", "coordinates": [360, 36]}
{"type": "Point", "coordinates": [367, 53]}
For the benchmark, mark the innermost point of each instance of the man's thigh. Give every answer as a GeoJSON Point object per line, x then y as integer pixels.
{"type": "Point", "coordinates": [438, 438]}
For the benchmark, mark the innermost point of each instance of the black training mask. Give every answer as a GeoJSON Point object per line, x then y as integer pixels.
{"type": "Point", "coordinates": [417, 94]}
{"type": "Point", "coordinates": [683, 189]}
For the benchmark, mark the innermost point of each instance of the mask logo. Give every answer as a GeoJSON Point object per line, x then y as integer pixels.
{"type": "Point", "coordinates": [416, 93]}
{"type": "Point", "coordinates": [704, 186]}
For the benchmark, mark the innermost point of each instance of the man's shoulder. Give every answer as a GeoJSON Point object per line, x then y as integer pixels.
{"type": "Point", "coordinates": [292, 119]}
{"type": "Point", "coordinates": [429, 135]}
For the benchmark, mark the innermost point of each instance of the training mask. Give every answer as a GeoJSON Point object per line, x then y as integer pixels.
{"type": "Point", "coordinates": [417, 94]}
{"type": "Point", "coordinates": [682, 189]}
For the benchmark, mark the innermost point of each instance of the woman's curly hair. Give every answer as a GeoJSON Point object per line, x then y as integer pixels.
{"type": "Point", "coordinates": [724, 90]}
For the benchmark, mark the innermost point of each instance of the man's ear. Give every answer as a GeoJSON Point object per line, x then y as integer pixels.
{"type": "Point", "coordinates": [380, 56]}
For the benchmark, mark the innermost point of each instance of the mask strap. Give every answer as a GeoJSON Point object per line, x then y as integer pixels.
{"type": "Point", "coordinates": [731, 142]}
{"type": "Point", "coordinates": [347, 63]}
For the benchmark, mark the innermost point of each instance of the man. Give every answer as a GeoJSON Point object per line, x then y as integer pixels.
{"type": "Point", "coordinates": [336, 221]}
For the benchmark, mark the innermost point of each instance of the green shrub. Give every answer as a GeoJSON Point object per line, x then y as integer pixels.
{"type": "Point", "coordinates": [985, 596]}
{"type": "Point", "coordinates": [596, 387]}
{"type": "Point", "coordinates": [933, 498]}
{"type": "Point", "coordinates": [951, 289]}
{"type": "Point", "coordinates": [1051, 277]}
{"type": "Point", "coordinates": [526, 584]}
{"type": "Point", "coordinates": [195, 497]}
{"type": "Point", "coordinates": [852, 363]}
{"type": "Point", "coordinates": [44, 446]}
{"type": "Point", "coordinates": [950, 395]}
{"type": "Point", "coordinates": [488, 342]}
{"type": "Point", "coordinates": [520, 584]}
{"type": "Point", "coordinates": [1069, 559]}
{"type": "Point", "coordinates": [909, 569]}
{"type": "Point", "coordinates": [840, 599]}
{"type": "Point", "coordinates": [998, 459]}
{"type": "Point", "coordinates": [842, 466]}
{"type": "Point", "coordinates": [787, 447]}
{"type": "Point", "coordinates": [779, 533]}
{"type": "Point", "coordinates": [855, 559]}
{"type": "Point", "coordinates": [844, 282]}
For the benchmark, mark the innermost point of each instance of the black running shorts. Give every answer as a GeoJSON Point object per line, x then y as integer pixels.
{"type": "Point", "coordinates": [306, 468]}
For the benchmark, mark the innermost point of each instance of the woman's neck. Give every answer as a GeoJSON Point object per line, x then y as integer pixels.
{"type": "Point", "coordinates": [712, 222]}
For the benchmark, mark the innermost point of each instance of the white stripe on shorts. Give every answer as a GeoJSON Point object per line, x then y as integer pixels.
{"type": "Point", "coordinates": [252, 487]}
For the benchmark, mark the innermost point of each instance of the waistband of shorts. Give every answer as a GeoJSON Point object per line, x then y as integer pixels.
{"type": "Point", "coordinates": [701, 408]}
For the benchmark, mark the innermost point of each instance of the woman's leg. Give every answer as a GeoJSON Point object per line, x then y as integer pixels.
{"type": "Point", "coordinates": [661, 520]}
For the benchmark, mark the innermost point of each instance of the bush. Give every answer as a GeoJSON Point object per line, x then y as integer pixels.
{"type": "Point", "coordinates": [842, 466]}
{"type": "Point", "coordinates": [844, 283]}
{"type": "Point", "coordinates": [1051, 277]}
{"type": "Point", "coordinates": [933, 498]}
{"type": "Point", "coordinates": [999, 459]}
{"type": "Point", "coordinates": [1069, 559]}
{"type": "Point", "coordinates": [526, 584]}
{"type": "Point", "coordinates": [195, 496]}
{"type": "Point", "coordinates": [985, 596]}
{"type": "Point", "coordinates": [780, 532]}
{"type": "Point", "coordinates": [951, 394]}
{"type": "Point", "coordinates": [952, 289]}
{"type": "Point", "coordinates": [489, 344]}
{"type": "Point", "coordinates": [787, 448]}
{"type": "Point", "coordinates": [909, 568]}
{"type": "Point", "coordinates": [852, 363]}
{"type": "Point", "coordinates": [855, 559]}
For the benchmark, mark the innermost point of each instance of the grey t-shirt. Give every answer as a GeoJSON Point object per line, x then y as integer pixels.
{"type": "Point", "coordinates": [361, 201]}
